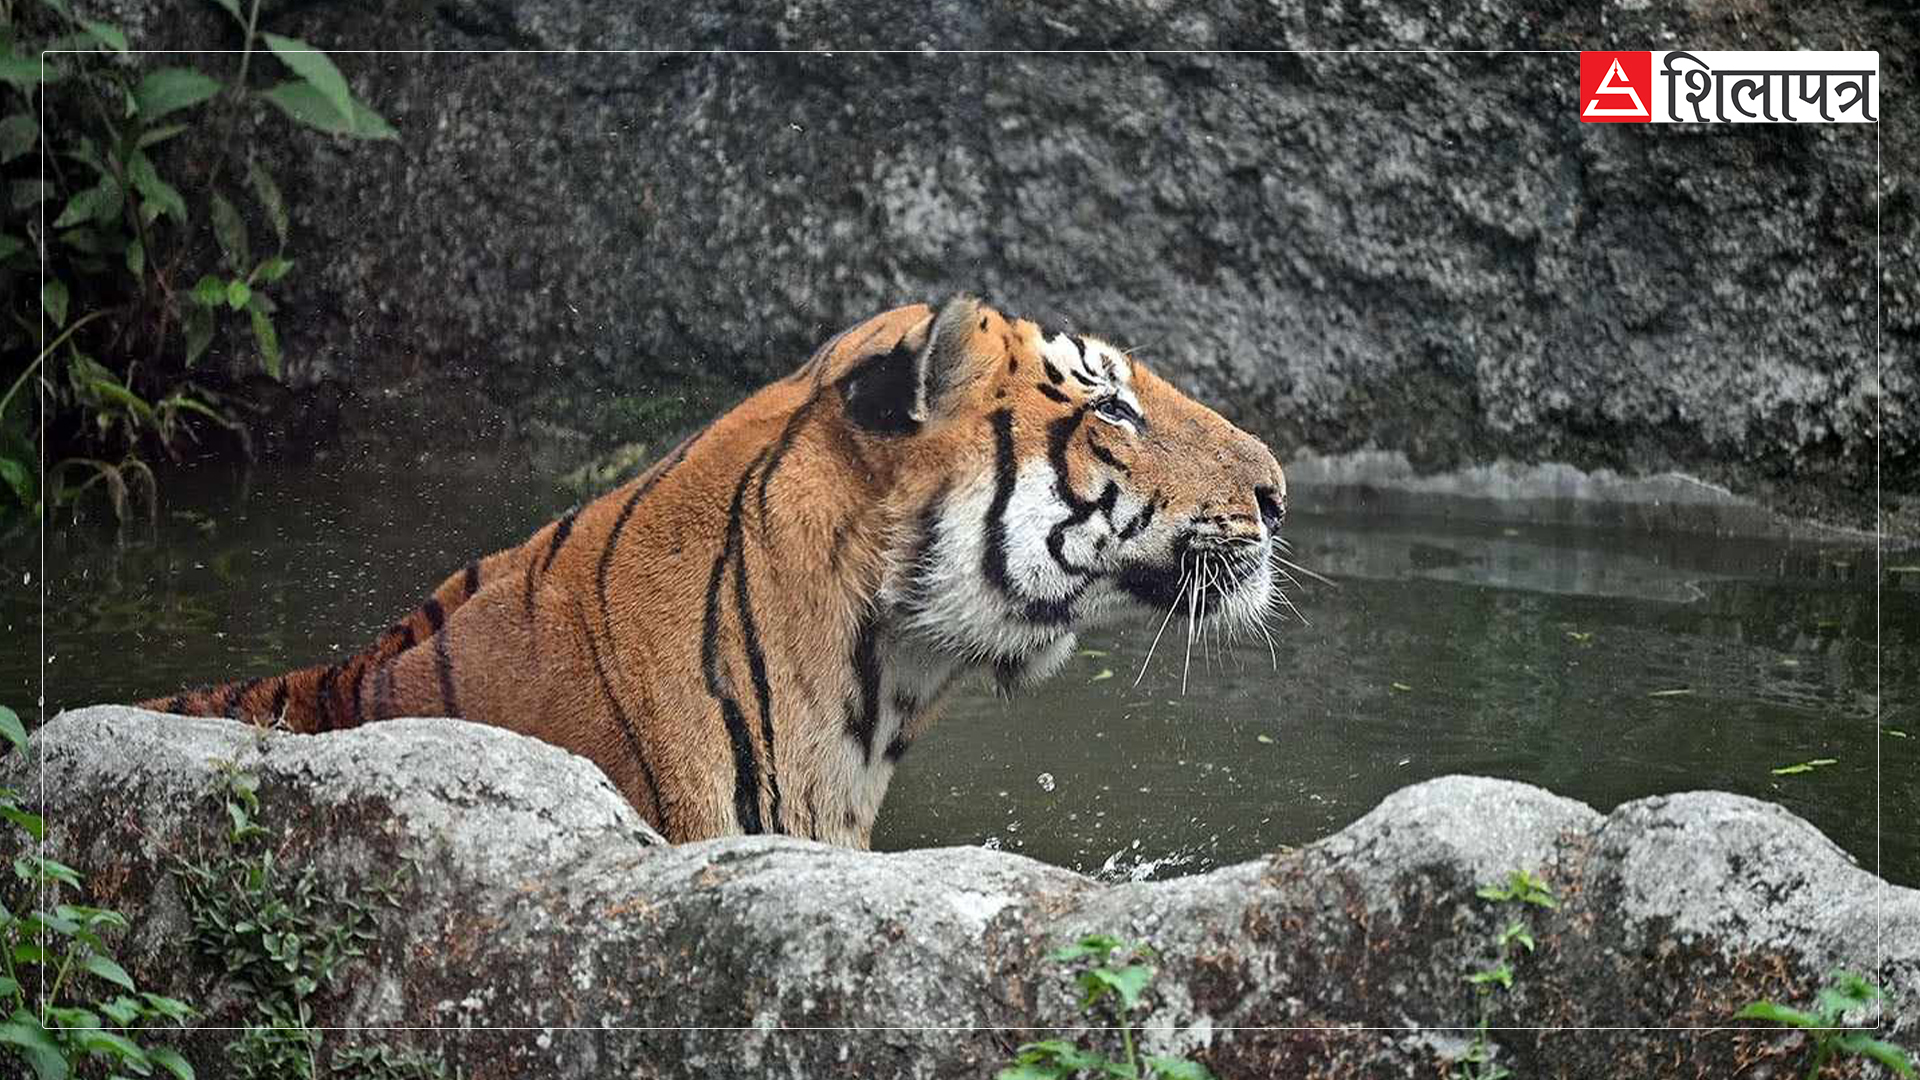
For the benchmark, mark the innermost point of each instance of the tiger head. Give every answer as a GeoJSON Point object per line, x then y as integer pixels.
{"type": "Point", "coordinates": [1052, 483]}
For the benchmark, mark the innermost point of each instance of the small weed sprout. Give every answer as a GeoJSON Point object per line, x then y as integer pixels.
{"type": "Point", "coordinates": [1522, 888]}
{"type": "Point", "coordinates": [1845, 992]}
{"type": "Point", "coordinates": [1112, 977]}
{"type": "Point", "coordinates": [92, 1016]}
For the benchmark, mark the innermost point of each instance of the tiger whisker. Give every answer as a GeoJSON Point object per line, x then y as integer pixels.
{"type": "Point", "coordinates": [1178, 588]}
{"type": "Point", "coordinates": [1321, 578]}
{"type": "Point", "coordinates": [1213, 580]}
{"type": "Point", "coordinates": [1285, 599]}
{"type": "Point", "coordinates": [1200, 623]}
{"type": "Point", "coordinates": [1273, 652]}
{"type": "Point", "coordinates": [1193, 601]}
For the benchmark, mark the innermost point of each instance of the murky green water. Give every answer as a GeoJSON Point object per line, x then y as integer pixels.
{"type": "Point", "coordinates": [1605, 665]}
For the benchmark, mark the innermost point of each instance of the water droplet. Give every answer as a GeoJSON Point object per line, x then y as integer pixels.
{"type": "Point", "coordinates": [1046, 781]}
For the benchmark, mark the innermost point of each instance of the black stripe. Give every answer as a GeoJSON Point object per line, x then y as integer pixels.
{"type": "Point", "coordinates": [1101, 453]}
{"type": "Point", "coordinates": [1053, 373]}
{"type": "Point", "coordinates": [405, 631]}
{"type": "Point", "coordinates": [756, 659]}
{"type": "Point", "coordinates": [443, 663]}
{"type": "Point", "coordinates": [383, 692]}
{"type": "Point", "coordinates": [173, 704]}
{"type": "Point", "coordinates": [1156, 585]}
{"type": "Point", "coordinates": [233, 707]}
{"type": "Point", "coordinates": [1139, 523]}
{"type": "Point", "coordinates": [919, 591]}
{"type": "Point", "coordinates": [620, 716]}
{"type": "Point", "coordinates": [218, 704]}
{"type": "Point", "coordinates": [1052, 612]}
{"type": "Point", "coordinates": [559, 537]}
{"type": "Point", "coordinates": [746, 769]}
{"type": "Point", "coordinates": [780, 448]}
{"type": "Point", "coordinates": [897, 748]}
{"type": "Point", "coordinates": [473, 578]}
{"type": "Point", "coordinates": [279, 706]}
{"type": "Point", "coordinates": [1059, 434]}
{"type": "Point", "coordinates": [863, 716]}
{"type": "Point", "coordinates": [1082, 371]}
{"type": "Point", "coordinates": [993, 556]}
{"type": "Point", "coordinates": [626, 729]}
{"type": "Point", "coordinates": [323, 701]}
{"type": "Point", "coordinates": [436, 618]}
{"type": "Point", "coordinates": [359, 683]}
{"type": "Point", "coordinates": [1054, 394]}
{"type": "Point", "coordinates": [560, 534]}
{"type": "Point", "coordinates": [658, 474]}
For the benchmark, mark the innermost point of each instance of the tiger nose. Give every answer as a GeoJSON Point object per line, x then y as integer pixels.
{"type": "Point", "coordinates": [1272, 502]}
{"type": "Point", "coordinates": [1260, 471]}
{"type": "Point", "coordinates": [1258, 517]}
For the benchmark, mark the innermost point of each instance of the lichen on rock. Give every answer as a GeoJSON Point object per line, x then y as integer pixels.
{"type": "Point", "coordinates": [546, 931]}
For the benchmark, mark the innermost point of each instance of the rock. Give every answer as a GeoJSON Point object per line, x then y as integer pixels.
{"type": "Point", "coordinates": [1419, 254]}
{"type": "Point", "coordinates": [545, 932]}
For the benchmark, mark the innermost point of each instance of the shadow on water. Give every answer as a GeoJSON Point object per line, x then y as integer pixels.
{"type": "Point", "coordinates": [1605, 665]}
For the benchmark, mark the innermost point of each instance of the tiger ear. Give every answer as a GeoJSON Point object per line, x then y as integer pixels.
{"type": "Point", "coordinates": [894, 392]}
{"type": "Point", "coordinates": [942, 364]}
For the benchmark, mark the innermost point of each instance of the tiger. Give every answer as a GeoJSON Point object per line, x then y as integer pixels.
{"type": "Point", "coordinates": [749, 635]}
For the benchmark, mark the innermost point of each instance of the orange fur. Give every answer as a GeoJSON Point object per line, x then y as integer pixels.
{"type": "Point", "coordinates": [715, 633]}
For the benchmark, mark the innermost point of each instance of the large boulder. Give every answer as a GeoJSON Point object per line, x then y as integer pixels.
{"type": "Point", "coordinates": [1413, 252]}
{"type": "Point", "coordinates": [542, 930]}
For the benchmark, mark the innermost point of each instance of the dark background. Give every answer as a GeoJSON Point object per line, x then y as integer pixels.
{"type": "Point", "coordinates": [1412, 252]}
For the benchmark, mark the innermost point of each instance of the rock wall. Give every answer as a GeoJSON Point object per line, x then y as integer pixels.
{"type": "Point", "coordinates": [1414, 252]}
{"type": "Point", "coordinates": [543, 933]}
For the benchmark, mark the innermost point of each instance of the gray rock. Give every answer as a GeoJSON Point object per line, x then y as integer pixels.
{"type": "Point", "coordinates": [1422, 254]}
{"type": "Point", "coordinates": [547, 934]}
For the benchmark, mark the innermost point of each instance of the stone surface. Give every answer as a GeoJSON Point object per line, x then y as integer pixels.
{"type": "Point", "coordinates": [1414, 252]}
{"type": "Point", "coordinates": [544, 934]}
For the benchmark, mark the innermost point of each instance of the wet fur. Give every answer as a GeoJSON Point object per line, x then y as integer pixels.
{"type": "Point", "coordinates": [749, 635]}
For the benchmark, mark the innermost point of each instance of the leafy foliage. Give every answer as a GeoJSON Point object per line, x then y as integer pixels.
{"type": "Point", "coordinates": [285, 939]}
{"type": "Point", "coordinates": [92, 1014]}
{"type": "Point", "coordinates": [1112, 978]}
{"type": "Point", "coordinates": [133, 296]}
{"type": "Point", "coordinates": [1522, 887]}
{"type": "Point", "coordinates": [1845, 992]}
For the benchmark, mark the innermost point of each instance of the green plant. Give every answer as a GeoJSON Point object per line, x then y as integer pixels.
{"type": "Point", "coordinates": [284, 938]}
{"type": "Point", "coordinates": [379, 1062]}
{"type": "Point", "coordinates": [1113, 975]}
{"type": "Point", "coordinates": [88, 1008]}
{"type": "Point", "coordinates": [131, 278]}
{"type": "Point", "coordinates": [1522, 888]}
{"type": "Point", "coordinates": [1845, 992]}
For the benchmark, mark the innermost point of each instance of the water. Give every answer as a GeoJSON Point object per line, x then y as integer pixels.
{"type": "Point", "coordinates": [1605, 665]}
